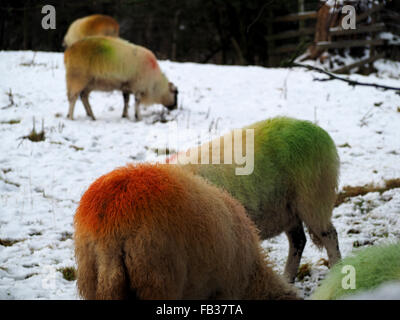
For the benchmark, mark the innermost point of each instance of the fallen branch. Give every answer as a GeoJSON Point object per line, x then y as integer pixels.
{"type": "Point", "coordinates": [350, 82]}
{"type": "Point", "coordinates": [351, 192]}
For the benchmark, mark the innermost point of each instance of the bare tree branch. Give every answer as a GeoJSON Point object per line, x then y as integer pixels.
{"type": "Point", "coordinates": [350, 82]}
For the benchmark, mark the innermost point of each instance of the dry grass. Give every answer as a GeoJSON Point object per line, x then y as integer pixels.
{"type": "Point", "coordinates": [11, 100]}
{"type": "Point", "coordinates": [76, 148]}
{"type": "Point", "coordinates": [304, 271]}
{"type": "Point", "coordinates": [8, 242]}
{"type": "Point", "coordinates": [10, 182]}
{"type": "Point", "coordinates": [12, 121]}
{"type": "Point", "coordinates": [69, 273]}
{"type": "Point", "coordinates": [323, 262]}
{"type": "Point", "coordinates": [350, 192]}
{"type": "Point", "coordinates": [35, 136]}
{"type": "Point", "coordinates": [65, 236]}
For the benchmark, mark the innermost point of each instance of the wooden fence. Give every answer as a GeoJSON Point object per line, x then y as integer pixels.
{"type": "Point", "coordinates": [367, 28]}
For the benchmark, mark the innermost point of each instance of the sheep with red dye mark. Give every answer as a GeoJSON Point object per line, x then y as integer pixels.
{"type": "Point", "coordinates": [294, 181]}
{"type": "Point", "coordinates": [106, 64]}
{"type": "Point", "coordinates": [93, 25]}
{"type": "Point", "coordinates": [161, 232]}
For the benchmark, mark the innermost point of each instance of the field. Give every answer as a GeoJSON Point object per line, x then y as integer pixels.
{"type": "Point", "coordinates": [41, 182]}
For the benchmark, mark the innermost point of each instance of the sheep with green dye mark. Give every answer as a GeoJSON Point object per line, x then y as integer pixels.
{"type": "Point", "coordinates": [294, 181]}
{"type": "Point", "coordinates": [371, 268]}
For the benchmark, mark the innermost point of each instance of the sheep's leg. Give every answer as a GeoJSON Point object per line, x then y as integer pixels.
{"type": "Point", "coordinates": [72, 101]}
{"type": "Point", "coordinates": [85, 101]}
{"type": "Point", "coordinates": [330, 241]}
{"type": "Point", "coordinates": [126, 104]}
{"type": "Point", "coordinates": [138, 116]}
{"type": "Point", "coordinates": [297, 241]}
{"type": "Point", "coordinates": [87, 268]}
{"type": "Point", "coordinates": [112, 281]}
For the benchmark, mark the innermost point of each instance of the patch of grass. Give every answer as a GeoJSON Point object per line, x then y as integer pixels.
{"type": "Point", "coordinates": [161, 151]}
{"type": "Point", "coordinates": [357, 244]}
{"type": "Point", "coordinates": [351, 192]}
{"type": "Point", "coordinates": [344, 145]}
{"type": "Point", "coordinates": [65, 236]}
{"type": "Point", "coordinates": [69, 273]}
{"type": "Point", "coordinates": [392, 183]}
{"type": "Point", "coordinates": [353, 231]}
{"type": "Point", "coordinates": [364, 206]}
{"type": "Point", "coordinates": [378, 104]}
{"type": "Point", "coordinates": [35, 136]}
{"type": "Point", "coordinates": [304, 271]}
{"type": "Point", "coordinates": [323, 262]}
{"type": "Point", "coordinates": [398, 109]}
{"type": "Point", "coordinates": [10, 182]}
{"type": "Point", "coordinates": [30, 265]}
{"type": "Point", "coordinates": [35, 234]}
{"type": "Point", "coordinates": [8, 242]}
{"type": "Point", "coordinates": [12, 121]}
{"type": "Point", "coordinates": [76, 148]}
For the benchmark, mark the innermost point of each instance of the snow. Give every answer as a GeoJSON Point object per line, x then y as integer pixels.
{"type": "Point", "coordinates": [42, 182]}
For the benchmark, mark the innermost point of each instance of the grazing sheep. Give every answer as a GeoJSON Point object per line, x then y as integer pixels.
{"type": "Point", "coordinates": [294, 182]}
{"type": "Point", "coordinates": [160, 232]}
{"type": "Point", "coordinates": [94, 25]}
{"type": "Point", "coordinates": [106, 64]}
{"type": "Point", "coordinates": [374, 267]}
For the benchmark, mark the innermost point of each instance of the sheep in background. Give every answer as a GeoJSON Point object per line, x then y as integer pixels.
{"type": "Point", "coordinates": [106, 64]}
{"type": "Point", "coordinates": [374, 268]}
{"type": "Point", "coordinates": [93, 25]}
{"type": "Point", "coordinates": [294, 181]}
{"type": "Point", "coordinates": [160, 232]}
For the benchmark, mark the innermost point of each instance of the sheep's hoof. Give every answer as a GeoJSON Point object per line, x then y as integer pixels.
{"type": "Point", "coordinates": [70, 117]}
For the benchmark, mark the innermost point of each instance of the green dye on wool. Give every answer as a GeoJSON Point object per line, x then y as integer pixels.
{"type": "Point", "coordinates": [104, 48]}
{"type": "Point", "coordinates": [373, 266]}
{"type": "Point", "coordinates": [290, 155]}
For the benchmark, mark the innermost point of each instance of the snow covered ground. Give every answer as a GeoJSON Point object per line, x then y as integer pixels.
{"type": "Point", "coordinates": [42, 182]}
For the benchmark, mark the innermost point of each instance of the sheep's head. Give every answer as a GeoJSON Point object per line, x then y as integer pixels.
{"type": "Point", "coordinates": [170, 99]}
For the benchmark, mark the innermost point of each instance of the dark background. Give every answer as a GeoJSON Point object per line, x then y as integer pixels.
{"type": "Point", "coordinates": [213, 31]}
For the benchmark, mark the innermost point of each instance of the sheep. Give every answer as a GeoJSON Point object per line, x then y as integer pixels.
{"type": "Point", "coordinates": [156, 231]}
{"type": "Point", "coordinates": [374, 268]}
{"type": "Point", "coordinates": [294, 181]}
{"type": "Point", "coordinates": [105, 64]}
{"type": "Point", "coordinates": [96, 24]}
